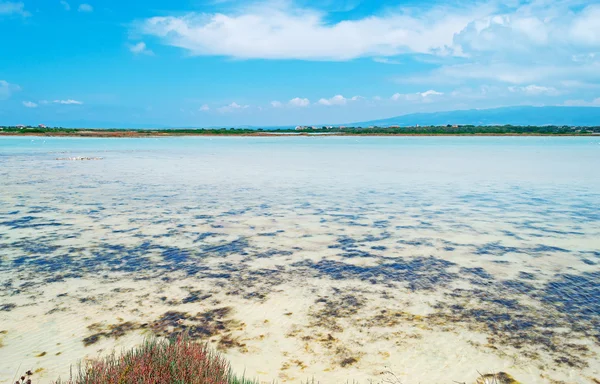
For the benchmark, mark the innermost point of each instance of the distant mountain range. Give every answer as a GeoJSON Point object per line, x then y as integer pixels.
{"type": "Point", "coordinates": [574, 116]}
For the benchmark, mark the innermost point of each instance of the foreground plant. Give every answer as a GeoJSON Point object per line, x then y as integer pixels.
{"type": "Point", "coordinates": [179, 361]}
{"type": "Point", "coordinates": [25, 379]}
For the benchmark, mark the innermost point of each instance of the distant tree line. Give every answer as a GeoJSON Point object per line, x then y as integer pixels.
{"type": "Point", "coordinates": [423, 130]}
{"type": "Point", "coordinates": [470, 130]}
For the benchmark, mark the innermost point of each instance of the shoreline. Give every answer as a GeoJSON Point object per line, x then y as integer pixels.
{"type": "Point", "coordinates": [134, 134]}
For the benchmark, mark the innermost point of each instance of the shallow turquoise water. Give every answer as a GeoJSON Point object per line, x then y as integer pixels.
{"type": "Point", "coordinates": [409, 252]}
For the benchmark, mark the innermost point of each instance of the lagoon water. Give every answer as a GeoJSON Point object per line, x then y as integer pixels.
{"type": "Point", "coordinates": [427, 259]}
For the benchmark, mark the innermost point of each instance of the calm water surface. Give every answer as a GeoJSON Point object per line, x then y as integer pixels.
{"type": "Point", "coordinates": [299, 257]}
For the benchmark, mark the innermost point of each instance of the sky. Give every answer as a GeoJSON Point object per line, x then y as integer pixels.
{"type": "Point", "coordinates": [199, 63]}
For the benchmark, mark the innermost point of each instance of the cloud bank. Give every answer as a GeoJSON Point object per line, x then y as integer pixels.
{"type": "Point", "coordinates": [283, 31]}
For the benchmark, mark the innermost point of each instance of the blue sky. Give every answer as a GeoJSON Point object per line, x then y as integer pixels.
{"type": "Point", "coordinates": [286, 62]}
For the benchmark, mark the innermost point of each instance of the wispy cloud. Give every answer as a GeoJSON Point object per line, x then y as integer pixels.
{"type": "Point", "coordinates": [140, 49]}
{"type": "Point", "coordinates": [535, 90]}
{"type": "Point", "coordinates": [13, 8]}
{"type": "Point", "coordinates": [205, 108]}
{"type": "Point", "coordinates": [276, 104]}
{"type": "Point", "coordinates": [29, 104]}
{"type": "Point", "coordinates": [7, 89]}
{"type": "Point", "coordinates": [426, 96]}
{"type": "Point", "coordinates": [85, 8]}
{"type": "Point", "coordinates": [232, 107]}
{"type": "Point", "coordinates": [583, 103]}
{"type": "Point", "coordinates": [66, 6]}
{"type": "Point", "coordinates": [68, 102]}
{"type": "Point", "coordinates": [385, 60]}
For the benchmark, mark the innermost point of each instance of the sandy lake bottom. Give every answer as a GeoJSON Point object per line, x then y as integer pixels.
{"type": "Point", "coordinates": [338, 259]}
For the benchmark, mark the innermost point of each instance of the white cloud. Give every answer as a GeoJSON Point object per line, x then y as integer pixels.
{"type": "Point", "coordinates": [510, 73]}
{"type": "Point", "coordinates": [278, 30]}
{"type": "Point", "coordinates": [543, 26]}
{"type": "Point", "coordinates": [385, 60]}
{"type": "Point", "coordinates": [140, 49]}
{"type": "Point", "coordinates": [578, 85]}
{"type": "Point", "coordinates": [232, 107]}
{"type": "Point", "coordinates": [426, 96]}
{"type": "Point", "coordinates": [68, 102]}
{"type": "Point", "coordinates": [65, 5]}
{"type": "Point", "coordinates": [357, 98]}
{"type": "Point", "coordinates": [583, 103]}
{"type": "Point", "coordinates": [299, 102]}
{"type": "Point", "coordinates": [535, 90]}
{"type": "Point", "coordinates": [85, 8]}
{"type": "Point", "coordinates": [29, 104]}
{"type": "Point", "coordinates": [205, 108]}
{"type": "Point", "coordinates": [335, 100]}
{"type": "Point", "coordinates": [13, 8]}
{"type": "Point", "coordinates": [480, 93]}
{"type": "Point", "coordinates": [586, 28]}
{"type": "Point", "coordinates": [518, 43]}
{"type": "Point", "coordinates": [431, 92]}
{"type": "Point", "coordinates": [7, 89]}
{"type": "Point", "coordinates": [276, 104]}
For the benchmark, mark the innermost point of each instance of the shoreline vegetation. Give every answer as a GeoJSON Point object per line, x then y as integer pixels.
{"type": "Point", "coordinates": [156, 361]}
{"type": "Point", "coordinates": [455, 130]}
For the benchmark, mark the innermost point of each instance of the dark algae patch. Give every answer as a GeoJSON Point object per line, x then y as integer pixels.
{"type": "Point", "coordinates": [577, 296]}
{"type": "Point", "coordinates": [7, 307]}
{"type": "Point", "coordinates": [418, 273]}
{"type": "Point", "coordinates": [111, 331]}
{"type": "Point", "coordinates": [348, 361]}
{"type": "Point", "coordinates": [215, 325]}
{"type": "Point", "coordinates": [195, 296]}
{"type": "Point", "coordinates": [327, 311]}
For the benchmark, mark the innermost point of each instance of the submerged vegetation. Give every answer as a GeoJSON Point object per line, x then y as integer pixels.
{"type": "Point", "coordinates": [491, 130]}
